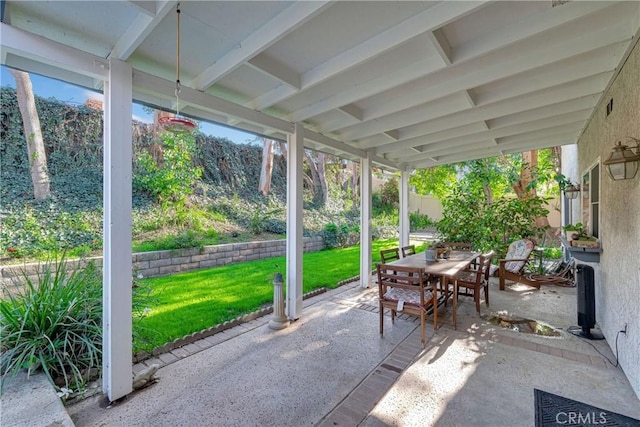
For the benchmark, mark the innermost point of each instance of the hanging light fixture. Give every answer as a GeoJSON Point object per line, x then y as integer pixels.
{"type": "Point", "coordinates": [623, 162]}
{"type": "Point", "coordinates": [571, 191]}
{"type": "Point", "coordinates": [177, 124]}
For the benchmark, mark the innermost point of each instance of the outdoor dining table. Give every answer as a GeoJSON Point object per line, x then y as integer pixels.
{"type": "Point", "coordinates": [444, 268]}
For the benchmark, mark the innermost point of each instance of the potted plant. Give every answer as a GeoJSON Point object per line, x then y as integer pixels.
{"type": "Point", "coordinates": [576, 230]}
{"type": "Point", "coordinates": [578, 236]}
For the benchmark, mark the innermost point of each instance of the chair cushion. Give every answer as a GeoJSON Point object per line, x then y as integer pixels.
{"type": "Point", "coordinates": [520, 249]}
{"type": "Point", "coordinates": [408, 296]}
{"type": "Point", "coordinates": [467, 276]}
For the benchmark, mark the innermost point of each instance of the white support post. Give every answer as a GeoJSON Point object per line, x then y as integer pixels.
{"type": "Point", "coordinates": [295, 243]}
{"type": "Point", "coordinates": [117, 274]}
{"type": "Point", "coordinates": [365, 221]}
{"type": "Point", "coordinates": [405, 226]}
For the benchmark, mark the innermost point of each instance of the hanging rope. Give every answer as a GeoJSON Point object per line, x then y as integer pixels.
{"type": "Point", "coordinates": [178, 61]}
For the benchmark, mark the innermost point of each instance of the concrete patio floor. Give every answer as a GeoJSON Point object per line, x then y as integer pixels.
{"type": "Point", "coordinates": [331, 368]}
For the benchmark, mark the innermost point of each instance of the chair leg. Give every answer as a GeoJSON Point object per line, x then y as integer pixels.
{"type": "Point", "coordinates": [476, 297]}
{"type": "Point", "coordinates": [423, 337]}
{"type": "Point", "coordinates": [486, 294]}
{"type": "Point", "coordinates": [381, 319]}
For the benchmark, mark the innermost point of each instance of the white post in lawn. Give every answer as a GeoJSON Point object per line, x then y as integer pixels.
{"type": "Point", "coordinates": [405, 226]}
{"type": "Point", "coordinates": [116, 267]}
{"type": "Point", "coordinates": [365, 221]}
{"type": "Point", "coordinates": [295, 243]}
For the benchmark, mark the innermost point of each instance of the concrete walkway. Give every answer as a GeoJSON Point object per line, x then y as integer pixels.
{"type": "Point", "coordinates": [331, 368]}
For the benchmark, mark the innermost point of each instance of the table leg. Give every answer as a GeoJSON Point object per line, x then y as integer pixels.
{"type": "Point", "coordinates": [455, 302]}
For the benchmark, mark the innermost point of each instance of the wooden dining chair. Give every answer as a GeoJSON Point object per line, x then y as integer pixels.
{"type": "Point", "coordinates": [388, 255]}
{"type": "Point", "coordinates": [404, 289]}
{"type": "Point", "coordinates": [472, 280]}
{"type": "Point", "coordinates": [458, 246]}
{"type": "Point", "coordinates": [408, 250]}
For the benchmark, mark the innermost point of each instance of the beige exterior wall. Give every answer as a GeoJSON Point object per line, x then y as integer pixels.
{"type": "Point", "coordinates": [425, 205]}
{"type": "Point", "coordinates": [618, 273]}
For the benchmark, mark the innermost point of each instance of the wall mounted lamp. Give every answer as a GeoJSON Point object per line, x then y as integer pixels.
{"type": "Point", "coordinates": [623, 161]}
{"type": "Point", "coordinates": [571, 191]}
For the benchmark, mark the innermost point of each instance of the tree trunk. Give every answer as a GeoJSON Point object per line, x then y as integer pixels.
{"type": "Point", "coordinates": [322, 177]}
{"type": "Point", "coordinates": [33, 134]}
{"type": "Point", "coordinates": [354, 184]}
{"type": "Point", "coordinates": [313, 182]}
{"type": "Point", "coordinates": [529, 165]}
{"type": "Point", "coordinates": [267, 166]}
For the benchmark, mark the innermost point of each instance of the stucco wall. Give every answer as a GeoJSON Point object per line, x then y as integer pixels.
{"type": "Point", "coordinates": [618, 284]}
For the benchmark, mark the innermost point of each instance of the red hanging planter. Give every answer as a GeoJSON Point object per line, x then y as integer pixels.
{"type": "Point", "coordinates": [177, 125]}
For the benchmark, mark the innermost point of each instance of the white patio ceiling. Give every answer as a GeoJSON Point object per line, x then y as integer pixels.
{"type": "Point", "coordinates": [414, 83]}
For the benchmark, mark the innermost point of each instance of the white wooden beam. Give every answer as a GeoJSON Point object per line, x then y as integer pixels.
{"type": "Point", "coordinates": [430, 19]}
{"type": "Point", "coordinates": [352, 110]}
{"type": "Point", "coordinates": [275, 69]}
{"type": "Point", "coordinates": [156, 86]}
{"type": "Point", "coordinates": [28, 45]}
{"type": "Point", "coordinates": [530, 26]}
{"type": "Point", "coordinates": [141, 27]}
{"type": "Point", "coordinates": [145, 6]}
{"type": "Point", "coordinates": [427, 111]}
{"type": "Point", "coordinates": [365, 221]}
{"type": "Point", "coordinates": [584, 87]}
{"type": "Point", "coordinates": [440, 44]}
{"type": "Point", "coordinates": [295, 242]}
{"type": "Point", "coordinates": [445, 81]}
{"type": "Point", "coordinates": [434, 149]}
{"type": "Point", "coordinates": [330, 142]}
{"type": "Point", "coordinates": [278, 27]}
{"type": "Point", "coordinates": [389, 113]}
{"type": "Point", "coordinates": [116, 266]}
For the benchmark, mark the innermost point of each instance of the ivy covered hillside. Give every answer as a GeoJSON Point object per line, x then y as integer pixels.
{"type": "Point", "coordinates": [187, 191]}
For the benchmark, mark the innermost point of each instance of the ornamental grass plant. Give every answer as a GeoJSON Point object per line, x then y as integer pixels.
{"type": "Point", "coordinates": [53, 322]}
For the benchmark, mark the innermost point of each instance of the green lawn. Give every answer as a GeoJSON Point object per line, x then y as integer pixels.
{"type": "Point", "coordinates": [194, 301]}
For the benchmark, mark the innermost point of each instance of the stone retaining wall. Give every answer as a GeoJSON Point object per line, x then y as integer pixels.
{"type": "Point", "coordinates": [162, 263]}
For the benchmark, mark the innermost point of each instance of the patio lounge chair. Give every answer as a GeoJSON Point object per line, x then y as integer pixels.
{"type": "Point", "coordinates": [512, 267]}
{"type": "Point", "coordinates": [404, 289]}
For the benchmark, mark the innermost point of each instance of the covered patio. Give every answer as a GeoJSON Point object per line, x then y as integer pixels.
{"type": "Point", "coordinates": [396, 85]}
{"type": "Point", "coordinates": [332, 368]}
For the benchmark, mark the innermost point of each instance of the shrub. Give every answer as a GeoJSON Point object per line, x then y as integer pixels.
{"type": "Point", "coordinates": [467, 217]}
{"type": "Point", "coordinates": [340, 236]}
{"type": "Point", "coordinates": [419, 221]}
{"type": "Point", "coordinates": [54, 324]}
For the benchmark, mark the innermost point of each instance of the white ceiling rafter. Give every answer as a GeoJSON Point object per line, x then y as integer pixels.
{"type": "Point", "coordinates": [441, 45]}
{"type": "Point", "coordinates": [352, 110]}
{"type": "Point", "coordinates": [278, 27]}
{"type": "Point", "coordinates": [559, 123]}
{"type": "Point", "coordinates": [406, 83]}
{"type": "Point", "coordinates": [430, 19]}
{"type": "Point", "coordinates": [526, 27]}
{"type": "Point", "coordinates": [468, 74]}
{"type": "Point", "coordinates": [544, 98]}
{"type": "Point", "coordinates": [276, 70]}
{"type": "Point", "coordinates": [141, 27]}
